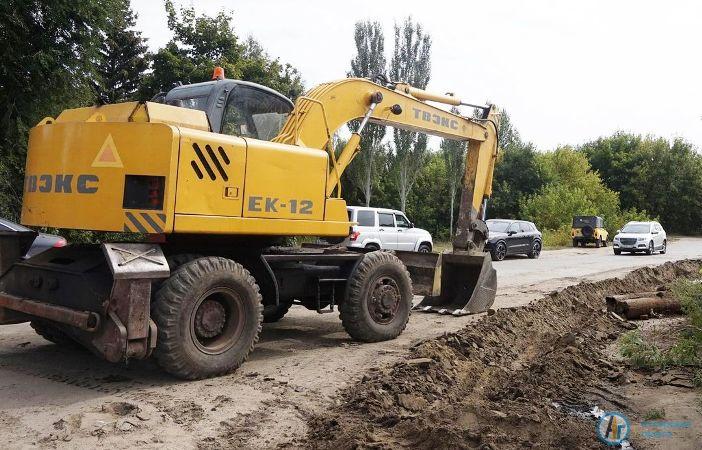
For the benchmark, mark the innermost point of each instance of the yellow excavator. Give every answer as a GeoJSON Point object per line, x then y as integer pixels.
{"type": "Point", "coordinates": [211, 176]}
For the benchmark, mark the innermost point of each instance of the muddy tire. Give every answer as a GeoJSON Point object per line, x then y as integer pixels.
{"type": "Point", "coordinates": [598, 243]}
{"type": "Point", "coordinates": [52, 333]}
{"type": "Point", "coordinates": [208, 315]}
{"type": "Point", "coordinates": [378, 298]}
{"type": "Point", "coordinates": [273, 313]}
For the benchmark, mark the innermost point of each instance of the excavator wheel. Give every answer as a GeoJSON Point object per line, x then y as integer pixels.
{"type": "Point", "coordinates": [52, 333]}
{"type": "Point", "coordinates": [378, 298]}
{"type": "Point", "coordinates": [273, 313]}
{"type": "Point", "coordinates": [209, 315]}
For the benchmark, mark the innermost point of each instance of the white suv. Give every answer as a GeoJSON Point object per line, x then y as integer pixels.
{"type": "Point", "coordinates": [390, 229]}
{"type": "Point", "coordinates": [640, 237]}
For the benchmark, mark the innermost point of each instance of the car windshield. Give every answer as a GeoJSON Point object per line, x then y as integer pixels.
{"type": "Point", "coordinates": [498, 226]}
{"type": "Point", "coordinates": [636, 228]}
{"type": "Point", "coordinates": [583, 221]}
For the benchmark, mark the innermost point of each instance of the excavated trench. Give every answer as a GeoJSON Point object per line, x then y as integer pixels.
{"type": "Point", "coordinates": [522, 377]}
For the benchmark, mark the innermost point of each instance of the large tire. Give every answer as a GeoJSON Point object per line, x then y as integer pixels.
{"type": "Point", "coordinates": [598, 242]}
{"type": "Point", "coordinates": [273, 313]}
{"type": "Point", "coordinates": [52, 333]}
{"type": "Point", "coordinates": [499, 251]}
{"type": "Point", "coordinates": [575, 243]}
{"type": "Point", "coordinates": [209, 315]}
{"type": "Point", "coordinates": [378, 298]}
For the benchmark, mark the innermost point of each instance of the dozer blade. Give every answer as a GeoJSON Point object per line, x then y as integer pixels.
{"type": "Point", "coordinates": [452, 283]}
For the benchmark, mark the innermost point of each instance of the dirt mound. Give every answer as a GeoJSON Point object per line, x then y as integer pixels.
{"type": "Point", "coordinates": [514, 379]}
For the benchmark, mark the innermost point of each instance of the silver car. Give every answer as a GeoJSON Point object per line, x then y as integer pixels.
{"type": "Point", "coordinates": [381, 228]}
{"type": "Point", "coordinates": [646, 237]}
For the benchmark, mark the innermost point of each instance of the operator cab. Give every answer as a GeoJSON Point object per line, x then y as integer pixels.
{"type": "Point", "coordinates": [237, 108]}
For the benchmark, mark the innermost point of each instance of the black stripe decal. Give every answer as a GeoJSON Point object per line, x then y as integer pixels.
{"type": "Point", "coordinates": [216, 162]}
{"type": "Point", "coordinates": [162, 217]}
{"type": "Point", "coordinates": [224, 155]}
{"type": "Point", "coordinates": [152, 222]}
{"type": "Point", "coordinates": [127, 229]}
{"type": "Point", "coordinates": [204, 162]}
{"type": "Point", "coordinates": [196, 168]}
{"type": "Point", "coordinates": [135, 222]}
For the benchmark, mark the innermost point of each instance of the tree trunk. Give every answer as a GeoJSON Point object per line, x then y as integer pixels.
{"type": "Point", "coordinates": [452, 190]}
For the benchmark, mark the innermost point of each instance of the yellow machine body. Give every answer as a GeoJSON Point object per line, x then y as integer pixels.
{"type": "Point", "coordinates": [79, 166]}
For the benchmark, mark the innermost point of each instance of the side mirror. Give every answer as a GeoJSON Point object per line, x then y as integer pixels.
{"type": "Point", "coordinates": [511, 232]}
{"type": "Point", "coordinates": [411, 225]}
{"type": "Point", "coordinates": [618, 231]}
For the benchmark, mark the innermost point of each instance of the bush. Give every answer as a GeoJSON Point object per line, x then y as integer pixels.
{"type": "Point", "coordinates": [556, 238]}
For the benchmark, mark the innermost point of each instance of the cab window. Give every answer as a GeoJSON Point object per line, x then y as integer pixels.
{"type": "Point", "coordinates": [385, 220]}
{"type": "Point", "coordinates": [524, 227]}
{"type": "Point", "coordinates": [402, 221]}
{"type": "Point", "coordinates": [514, 228]}
{"type": "Point", "coordinates": [254, 113]}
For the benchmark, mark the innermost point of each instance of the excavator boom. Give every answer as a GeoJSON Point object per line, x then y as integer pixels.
{"type": "Point", "coordinates": [458, 283]}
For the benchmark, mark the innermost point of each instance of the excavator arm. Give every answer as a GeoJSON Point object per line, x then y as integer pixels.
{"type": "Point", "coordinates": [326, 108]}
{"type": "Point", "coordinates": [460, 282]}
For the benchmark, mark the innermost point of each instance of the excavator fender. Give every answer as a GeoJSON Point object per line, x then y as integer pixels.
{"type": "Point", "coordinates": [456, 283]}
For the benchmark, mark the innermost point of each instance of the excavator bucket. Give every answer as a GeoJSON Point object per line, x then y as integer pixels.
{"type": "Point", "coordinates": [452, 283]}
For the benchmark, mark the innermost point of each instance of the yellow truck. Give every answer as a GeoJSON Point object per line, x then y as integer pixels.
{"type": "Point", "coordinates": [213, 176]}
{"type": "Point", "coordinates": [589, 229]}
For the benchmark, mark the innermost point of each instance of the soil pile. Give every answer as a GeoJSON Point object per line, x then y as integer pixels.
{"type": "Point", "coordinates": [522, 377]}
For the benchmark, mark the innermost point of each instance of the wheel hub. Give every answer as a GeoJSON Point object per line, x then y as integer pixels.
{"type": "Point", "coordinates": [210, 319]}
{"type": "Point", "coordinates": [384, 301]}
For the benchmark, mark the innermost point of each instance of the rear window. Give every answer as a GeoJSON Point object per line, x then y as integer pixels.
{"type": "Point", "coordinates": [365, 218]}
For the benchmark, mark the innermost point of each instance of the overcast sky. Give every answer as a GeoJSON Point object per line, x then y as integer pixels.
{"type": "Point", "coordinates": [566, 71]}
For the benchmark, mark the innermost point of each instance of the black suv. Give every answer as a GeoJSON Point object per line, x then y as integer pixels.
{"type": "Point", "coordinates": [512, 237]}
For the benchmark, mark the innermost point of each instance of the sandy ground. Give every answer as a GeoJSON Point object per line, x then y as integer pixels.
{"type": "Point", "coordinates": [53, 396]}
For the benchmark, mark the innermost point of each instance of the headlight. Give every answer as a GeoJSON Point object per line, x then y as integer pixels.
{"type": "Point", "coordinates": [640, 239]}
{"type": "Point", "coordinates": [616, 238]}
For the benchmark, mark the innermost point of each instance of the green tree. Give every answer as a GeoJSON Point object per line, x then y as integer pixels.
{"type": "Point", "coordinates": [518, 173]}
{"type": "Point", "coordinates": [428, 204]}
{"type": "Point", "coordinates": [572, 189]}
{"type": "Point", "coordinates": [201, 42]}
{"type": "Point", "coordinates": [652, 174]}
{"type": "Point", "coordinates": [411, 63]}
{"type": "Point", "coordinates": [123, 58]}
{"type": "Point", "coordinates": [47, 49]}
{"type": "Point", "coordinates": [454, 155]}
{"type": "Point", "coordinates": [368, 62]}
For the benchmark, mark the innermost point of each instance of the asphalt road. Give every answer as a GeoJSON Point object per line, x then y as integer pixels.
{"type": "Point", "coordinates": [52, 396]}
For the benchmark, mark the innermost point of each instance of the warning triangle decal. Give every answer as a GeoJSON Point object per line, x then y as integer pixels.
{"type": "Point", "coordinates": [108, 156]}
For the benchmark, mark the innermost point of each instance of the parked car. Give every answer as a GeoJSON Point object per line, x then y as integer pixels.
{"type": "Point", "coordinates": [380, 228]}
{"type": "Point", "coordinates": [512, 237]}
{"type": "Point", "coordinates": [645, 237]}
{"type": "Point", "coordinates": [42, 242]}
{"type": "Point", "coordinates": [588, 229]}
